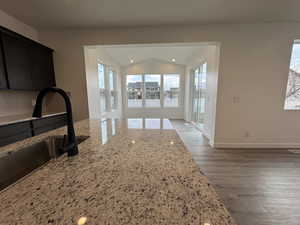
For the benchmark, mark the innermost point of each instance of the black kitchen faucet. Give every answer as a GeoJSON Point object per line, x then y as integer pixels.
{"type": "Point", "coordinates": [71, 147]}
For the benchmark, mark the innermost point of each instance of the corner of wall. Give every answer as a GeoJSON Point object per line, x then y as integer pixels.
{"type": "Point", "coordinates": [16, 25]}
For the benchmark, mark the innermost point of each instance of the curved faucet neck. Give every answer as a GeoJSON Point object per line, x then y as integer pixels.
{"type": "Point", "coordinates": [72, 145]}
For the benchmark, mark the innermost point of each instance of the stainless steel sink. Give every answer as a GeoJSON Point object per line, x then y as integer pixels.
{"type": "Point", "coordinates": [17, 164]}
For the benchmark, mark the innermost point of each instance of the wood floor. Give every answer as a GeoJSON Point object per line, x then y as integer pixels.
{"type": "Point", "coordinates": [259, 187]}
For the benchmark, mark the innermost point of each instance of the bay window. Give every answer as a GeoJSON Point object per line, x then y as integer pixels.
{"type": "Point", "coordinates": [153, 90]}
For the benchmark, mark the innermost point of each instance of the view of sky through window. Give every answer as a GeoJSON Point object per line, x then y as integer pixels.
{"type": "Point", "coordinates": [292, 100]}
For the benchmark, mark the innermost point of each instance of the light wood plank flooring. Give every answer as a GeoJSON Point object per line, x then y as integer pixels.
{"type": "Point", "coordinates": [259, 187]}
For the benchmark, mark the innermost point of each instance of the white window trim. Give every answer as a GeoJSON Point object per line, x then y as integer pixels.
{"type": "Point", "coordinates": [191, 87]}
{"type": "Point", "coordinates": [180, 92]}
{"type": "Point", "coordinates": [106, 90]}
{"type": "Point", "coordinates": [162, 106]}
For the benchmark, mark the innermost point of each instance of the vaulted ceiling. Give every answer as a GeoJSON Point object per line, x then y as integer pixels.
{"type": "Point", "coordinates": [110, 13]}
{"type": "Point", "coordinates": [167, 53]}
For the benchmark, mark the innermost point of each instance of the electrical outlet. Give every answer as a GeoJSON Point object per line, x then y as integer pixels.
{"type": "Point", "coordinates": [33, 101]}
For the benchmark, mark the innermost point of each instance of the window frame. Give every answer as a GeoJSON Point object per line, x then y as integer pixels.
{"type": "Point", "coordinates": [179, 91]}
{"type": "Point", "coordinates": [162, 106]}
{"type": "Point", "coordinates": [286, 107]}
{"type": "Point", "coordinates": [106, 92]}
{"type": "Point", "coordinates": [202, 91]}
{"type": "Point", "coordinates": [112, 91]}
{"type": "Point", "coordinates": [142, 90]}
{"type": "Point", "coordinates": [145, 91]}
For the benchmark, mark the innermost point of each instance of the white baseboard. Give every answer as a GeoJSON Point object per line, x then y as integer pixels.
{"type": "Point", "coordinates": [257, 145]}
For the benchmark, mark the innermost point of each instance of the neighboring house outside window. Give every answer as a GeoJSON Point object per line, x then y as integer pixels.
{"type": "Point", "coordinates": [147, 90]}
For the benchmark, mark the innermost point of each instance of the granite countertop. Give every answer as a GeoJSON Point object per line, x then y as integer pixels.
{"type": "Point", "coordinates": [121, 176]}
{"type": "Point", "coordinates": [4, 120]}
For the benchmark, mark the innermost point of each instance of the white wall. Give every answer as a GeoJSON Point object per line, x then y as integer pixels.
{"type": "Point", "coordinates": [210, 55]}
{"type": "Point", "coordinates": [92, 58]}
{"type": "Point", "coordinates": [154, 66]}
{"type": "Point", "coordinates": [253, 72]}
{"type": "Point", "coordinates": [17, 26]}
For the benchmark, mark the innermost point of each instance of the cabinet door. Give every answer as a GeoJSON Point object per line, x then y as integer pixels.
{"type": "Point", "coordinates": [48, 123]}
{"type": "Point", "coordinates": [42, 74]}
{"type": "Point", "coordinates": [14, 132]}
{"type": "Point", "coordinates": [17, 164]}
{"type": "Point", "coordinates": [18, 62]}
{"type": "Point", "coordinates": [3, 82]}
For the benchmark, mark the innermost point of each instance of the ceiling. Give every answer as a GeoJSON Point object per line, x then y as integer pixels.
{"type": "Point", "coordinates": [182, 54]}
{"type": "Point", "coordinates": [111, 13]}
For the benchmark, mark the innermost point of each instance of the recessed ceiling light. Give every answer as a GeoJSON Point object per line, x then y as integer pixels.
{"type": "Point", "coordinates": [173, 60]}
{"type": "Point", "coordinates": [131, 61]}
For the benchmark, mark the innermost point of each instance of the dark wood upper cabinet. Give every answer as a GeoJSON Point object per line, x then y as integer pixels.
{"type": "Point", "coordinates": [14, 132]}
{"type": "Point", "coordinates": [28, 64]}
{"type": "Point", "coordinates": [18, 62]}
{"type": "Point", "coordinates": [3, 81]}
{"type": "Point", "coordinates": [42, 74]}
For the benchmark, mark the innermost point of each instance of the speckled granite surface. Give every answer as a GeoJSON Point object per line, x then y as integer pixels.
{"type": "Point", "coordinates": [137, 177]}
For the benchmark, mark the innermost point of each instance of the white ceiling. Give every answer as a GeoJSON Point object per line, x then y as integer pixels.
{"type": "Point", "coordinates": [182, 54]}
{"type": "Point", "coordinates": [107, 13]}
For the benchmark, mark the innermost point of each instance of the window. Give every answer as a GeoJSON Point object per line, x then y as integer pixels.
{"type": "Point", "coordinates": [171, 90]}
{"type": "Point", "coordinates": [107, 79]}
{"type": "Point", "coordinates": [152, 90]}
{"type": "Point", "coordinates": [134, 90]}
{"type": "Point", "coordinates": [198, 93]}
{"type": "Point", "coordinates": [202, 87]}
{"type": "Point", "coordinates": [292, 99]}
{"type": "Point", "coordinates": [101, 80]}
{"type": "Point", "coordinates": [203, 75]}
{"type": "Point", "coordinates": [101, 75]}
{"type": "Point", "coordinates": [111, 80]}
{"type": "Point", "coordinates": [113, 89]}
{"type": "Point", "coordinates": [146, 90]}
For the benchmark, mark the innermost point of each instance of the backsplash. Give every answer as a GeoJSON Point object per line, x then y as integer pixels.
{"type": "Point", "coordinates": [55, 103]}
{"type": "Point", "coordinates": [16, 102]}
